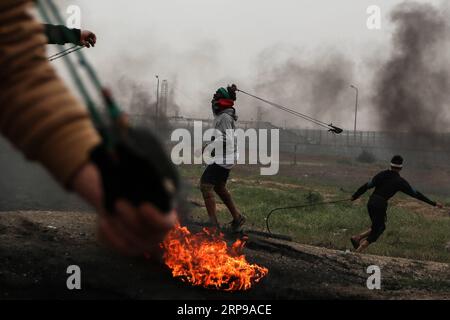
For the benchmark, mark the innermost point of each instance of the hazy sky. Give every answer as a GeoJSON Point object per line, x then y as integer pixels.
{"type": "Point", "coordinates": [200, 44]}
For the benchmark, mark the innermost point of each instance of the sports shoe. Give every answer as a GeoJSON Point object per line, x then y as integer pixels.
{"type": "Point", "coordinates": [236, 225]}
{"type": "Point", "coordinates": [355, 243]}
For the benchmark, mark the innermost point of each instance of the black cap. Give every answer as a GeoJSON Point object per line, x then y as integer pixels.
{"type": "Point", "coordinates": [397, 162]}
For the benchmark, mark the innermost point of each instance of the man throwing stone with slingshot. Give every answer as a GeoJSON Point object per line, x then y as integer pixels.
{"type": "Point", "coordinates": [214, 178]}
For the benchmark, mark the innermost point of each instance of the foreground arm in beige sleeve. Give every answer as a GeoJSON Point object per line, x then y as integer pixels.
{"type": "Point", "coordinates": [38, 114]}
{"type": "Point", "coordinates": [43, 120]}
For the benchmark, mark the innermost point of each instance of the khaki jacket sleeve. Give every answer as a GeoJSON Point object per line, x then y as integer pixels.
{"type": "Point", "coordinates": [37, 112]}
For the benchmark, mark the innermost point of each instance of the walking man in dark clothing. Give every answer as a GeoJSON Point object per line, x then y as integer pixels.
{"type": "Point", "coordinates": [386, 183]}
{"type": "Point", "coordinates": [214, 179]}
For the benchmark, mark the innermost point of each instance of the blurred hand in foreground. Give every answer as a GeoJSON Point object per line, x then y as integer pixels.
{"type": "Point", "coordinates": [88, 39]}
{"type": "Point", "coordinates": [129, 230]}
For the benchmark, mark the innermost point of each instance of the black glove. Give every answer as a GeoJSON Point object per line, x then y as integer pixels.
{"type": "Point", "coordinates": [138, 170]}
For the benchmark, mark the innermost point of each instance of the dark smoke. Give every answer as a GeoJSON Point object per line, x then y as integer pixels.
{"type": "Point", "coordinates": [412, 87]}
{"type": "Point", "coordinates": [318, 88]}
{"type": "Point", "coordinates": [139, 99]}
{"type": "Point", "coordinates": [135, 97]}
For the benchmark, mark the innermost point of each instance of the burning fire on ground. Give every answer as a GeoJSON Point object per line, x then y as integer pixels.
{"type": "Point", "coordinates": [204, 259]}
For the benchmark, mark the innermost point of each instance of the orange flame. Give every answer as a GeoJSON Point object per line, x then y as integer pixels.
{"type": "Point", "coordinates": [203, 259]}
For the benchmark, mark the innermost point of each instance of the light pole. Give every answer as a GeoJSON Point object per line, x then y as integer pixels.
{"type": "Point", "coordinates": [356, 105]}
{"type": "Point", "coordinates": [157, 97]}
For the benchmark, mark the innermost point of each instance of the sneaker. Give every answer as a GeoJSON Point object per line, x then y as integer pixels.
{"type": "Point", "coordinates": [355, 243]}
{"type": "Point", "coordinates": [236, 225]}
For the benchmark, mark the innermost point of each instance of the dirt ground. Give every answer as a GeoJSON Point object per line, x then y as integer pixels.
{"type": "Point", "coordinates": [37, 247]}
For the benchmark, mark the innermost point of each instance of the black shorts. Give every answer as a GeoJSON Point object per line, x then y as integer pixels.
{"type": "Point", "coordinates": [377, 208]}
{"type": "Point", "coordinates": [215, 175]}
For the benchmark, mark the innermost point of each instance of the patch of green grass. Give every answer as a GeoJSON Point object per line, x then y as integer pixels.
{"type": "Point", "coordinates": [408, 234]}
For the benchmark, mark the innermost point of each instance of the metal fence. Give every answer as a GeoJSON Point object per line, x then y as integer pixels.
{"type": "Point", "coordinates": [419, 148]}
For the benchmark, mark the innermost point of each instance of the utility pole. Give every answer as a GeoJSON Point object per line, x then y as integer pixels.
{"type": "Point", "coordinates": [157, 98]}
{"type": "Point", "coordinates": [164, 98]}
{"type": "Point", "coordinates": [259, 117]}
{"type": "Point", "coordinates": [356, 106]}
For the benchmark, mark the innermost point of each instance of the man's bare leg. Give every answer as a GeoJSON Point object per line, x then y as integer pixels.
{"type": "Point", "coordinates": [356, 240]}
{"type": "Point", "coordinates": [238, 218]}
{"type": "Point", "coordinates": [225, 196]}
{"type": "Point", "coordinates": [363, 245]}
{"type": "Point", "coordinates": [210, 203]}
{"type": "Point", "coordinates": [362, 236]}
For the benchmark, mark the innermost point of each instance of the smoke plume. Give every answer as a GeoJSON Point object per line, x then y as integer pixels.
{"type": "Point", "coordinates": [413, 86]}
{"type": "Point", "coordinates": [319, 87]}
